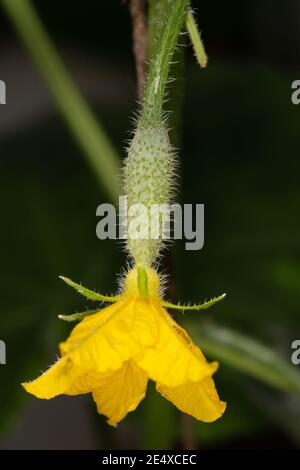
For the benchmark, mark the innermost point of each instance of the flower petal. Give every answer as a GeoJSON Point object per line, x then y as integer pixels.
{"type": "Point", "coordinates": [175, 359]}
{"type": "Point", "coordinates": [121, 392]}
{"type": "Point", "coordinates": [86, 383]}
{"type": "Point", "coordinates": [98, 345]}
{"type": "Point", "coordinates": [199, 399]}
{"type": "Point", "coordinates": [63, 378]}
{"type": "Point", "coordinates": [104, 341]}
{"type": "Point", "coordinates": [55, 381]}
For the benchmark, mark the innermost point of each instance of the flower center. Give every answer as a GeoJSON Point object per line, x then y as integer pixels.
{"type": "Point", "coordinates": [132, 280]}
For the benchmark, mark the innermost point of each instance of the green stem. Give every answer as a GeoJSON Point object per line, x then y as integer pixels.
{"type": "Point", "coordinates": [152, 115]}
{"type": "Point", "coordinates": [158, 14]}
{"type": "Point", "coordinates": [157, 17]}
{"type": "Point", "coordinates": [91, 137]}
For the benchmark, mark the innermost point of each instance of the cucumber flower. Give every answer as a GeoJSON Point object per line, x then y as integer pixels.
{"type": "Point", "coordinates": [114, 352]}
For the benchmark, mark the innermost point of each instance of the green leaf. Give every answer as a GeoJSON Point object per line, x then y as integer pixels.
{"type": "Point", "coordinates": [247, 355]}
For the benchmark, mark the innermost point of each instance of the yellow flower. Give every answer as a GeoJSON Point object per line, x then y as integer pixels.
{"type": "Point", "coordinates": [114, 352]}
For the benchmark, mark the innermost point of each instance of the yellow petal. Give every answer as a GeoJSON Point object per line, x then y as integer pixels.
{"type": "Point", "coordinates": [98, 345]}
{"type": "Point", "coordinates": [104, 341]}
{"type": "Point", "coordinates": [175, 359]}
{"type": "Point", "coordinates": [121, 392]}
{"type": "Point", "coordinates": [86, 383]}
{"type": "Point", "coordinates": [199, 399]}
{"type": "Point", "coordinates": [63, 378]}
{"type": "Point", "coordinates": [55, 381]}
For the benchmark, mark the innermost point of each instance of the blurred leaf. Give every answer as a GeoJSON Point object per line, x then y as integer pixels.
{"type": "Point", "coordinates": [282, 410]}
{"type": "Point", "coordinates": [78, 116]}
{"type": "Point", "coordinates": [247, 355]}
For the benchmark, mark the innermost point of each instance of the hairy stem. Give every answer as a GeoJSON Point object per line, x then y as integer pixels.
{"type": "Point", "coordinates": [152, 113]}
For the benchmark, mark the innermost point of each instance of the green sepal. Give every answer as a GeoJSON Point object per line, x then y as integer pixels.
{"type": "Point", "coordinates": [204, 305]}
{"type": "Point", "coordinates": [77, 316]}
{"type": "Point", "coordinates": [89, 294]}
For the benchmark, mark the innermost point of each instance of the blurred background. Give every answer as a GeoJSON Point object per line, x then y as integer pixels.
{"type": "Point", "coordinates": [239, 151]}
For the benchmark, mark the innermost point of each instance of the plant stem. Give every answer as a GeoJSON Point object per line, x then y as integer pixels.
{"type": "Point", "coordinates": [152, 114]}
{"type": "Point", "coordinates": [157, 16]}
{"type": "Point", "coordinates": [139, 39]}
{"type": "Point", "coordinates": [76, 113]}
